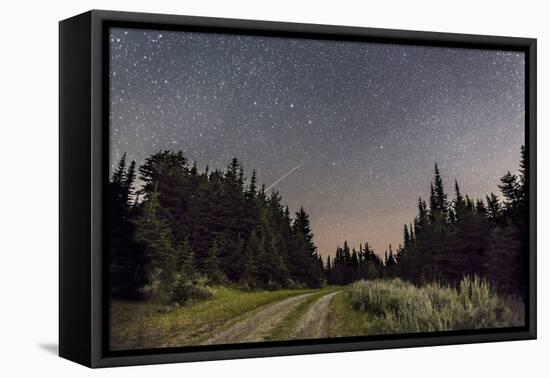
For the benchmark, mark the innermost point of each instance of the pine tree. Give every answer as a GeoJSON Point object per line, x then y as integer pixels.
{"type": "Point", "coordinates": [128, 185]}
{"type": "Point", "coordinates": [493, 207]}
{"type": "Point", "coordinates": [194, 170]}
{"type": "Point", "coordinates": [266, 262]}
{"type": "Point", "coordinates": [212, 266]}
{"type": "Point", "coordinates": [433, 202]}
{"type": "Point", "coordinates": [119, 173]}
{"type": "Point", "coordinates": [480, 207]}
{"type": "Point", "coordinates": [186, 259]}
{"type": "Point", "coordinates": [301, 224]}
{"type": "Point", "coordinates": [422, 218]}
{"type": "Point", "coordinates": [126, 260]}
{"type": "Point", "coordinates": [241, 178]}
{"type": "Point", "coordinates": [233, 168]}
{"type": "Point", "coordinates": [511, 190]}
{"type": "Point", "coordinates": [439, 193]}
{"type": "Point", "coordinates": [460, 204]}
{"type": "Point", "coordinates": [154, 235]}
{"type": "Point", "coordinates": [249, 272]}
{"type": "Point", "coordinates": [406, 236]}
{"type": "Point", "coordinates": [235, 261]}
{"type": "Point", "coordinates": [304, 251]}
{"type": "Point", "coordinates": [411, 233]}
{"type": "Point", "coordinates": [251, 193]}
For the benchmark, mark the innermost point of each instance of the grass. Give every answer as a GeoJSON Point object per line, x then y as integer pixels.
{"type": "Point", "coordinates": [399, 307]}
{"type": "Point", "coordinates": [136, 325]}
{"type": "Point", "coordinates": [344, 320]}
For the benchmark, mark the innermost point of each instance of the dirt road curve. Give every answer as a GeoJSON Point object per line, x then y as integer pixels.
{"type": "Point", "coordinates": [258, 326]}
{"type": "Point", "coordinates": [314, 324]}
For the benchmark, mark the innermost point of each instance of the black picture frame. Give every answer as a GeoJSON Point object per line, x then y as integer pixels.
{"type": "Point", "coordinates": [83, 123]}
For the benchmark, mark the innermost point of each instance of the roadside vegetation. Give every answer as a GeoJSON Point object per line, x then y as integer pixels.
{"type": "Point", "coordinates": [399, 307]}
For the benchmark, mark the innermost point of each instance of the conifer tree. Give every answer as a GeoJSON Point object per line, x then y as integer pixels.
{"type": "Point", "coordinates": [194, 170]}
{"type": "Point", "coordinates": [126, 260]}
{"type": "Point", "coordinates": [186, 259]}
{"type": "Point", "coordinates": [422, 218]}
{"type": "Point", "coordinates": [251, 193]}
{"type": "Point", "coordinates": [406, 236]}
{"type": "Point", "coordinates": [301, 225]}
{"type": "Point", "coordinates": [460, 209]}
{"type": "Point", "coordinates": [249, 272]}
{"type": "Point", "coordinates": [511, 190]}
{"type": "Point", "coordinates": [480, 207]}
{"type": "Point", "coordinates": [433, 202]}
{"type": "Point", "coordinates": [271, 270]}
{"type": "Point", "coordinates": [212, 266]}
{"type": "Point", "coordinates": [153, 233]}
{"type": "Point", "coordinates": [119, 174]}
{"type": "Point", "coordinates": [493, 207]}
{"type": "Point", "coordinates": [128, 185]}
{"type": "Point", "coordinates": [439, 193]}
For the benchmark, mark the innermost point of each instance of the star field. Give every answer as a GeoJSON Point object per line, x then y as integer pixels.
{"type": "Point", "coordinates": [364, 122]}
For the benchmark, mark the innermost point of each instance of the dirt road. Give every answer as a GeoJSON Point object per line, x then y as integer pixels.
{"type": "Point", "coordinates": [258, 326]}
{"type": "Point", "coordinates": [314, 323]}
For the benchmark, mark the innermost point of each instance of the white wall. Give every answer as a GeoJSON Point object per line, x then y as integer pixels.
{"type": "Point", "coordinates": [28, 186]}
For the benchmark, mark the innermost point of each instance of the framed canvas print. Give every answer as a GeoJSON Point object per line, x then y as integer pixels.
{"type": "Point", "coordinates": [234, 188]}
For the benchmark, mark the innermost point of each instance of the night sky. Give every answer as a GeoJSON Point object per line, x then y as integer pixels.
{"type": "Point", "coordinates": [353, 129]}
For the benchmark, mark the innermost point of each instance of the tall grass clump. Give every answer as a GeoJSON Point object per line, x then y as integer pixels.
{"type": "Point", "coordinates": [395, 306]}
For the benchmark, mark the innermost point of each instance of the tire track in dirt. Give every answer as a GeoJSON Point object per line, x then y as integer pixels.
{"type": "Point", "coordinates": [314, 323]}
{"type": "Point", "coordinates": [258, 326]}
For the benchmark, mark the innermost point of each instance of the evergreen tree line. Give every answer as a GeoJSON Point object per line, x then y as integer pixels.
{"type": "Point", "coordinates": [349, 265]}
{"type": "Point", "coordinates": [450, 239]}
{"type": "Point", "coordinates": [182, 225]}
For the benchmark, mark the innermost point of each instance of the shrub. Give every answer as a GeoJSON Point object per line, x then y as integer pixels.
{"type": "Point", "coordinates": [184, 289]}
{"type": "Point", "coordinates": [397, 306]}
{"type": "Point", "coordinates": [217, 279]}
{"type": "Point", "coordinates": [156, 288]}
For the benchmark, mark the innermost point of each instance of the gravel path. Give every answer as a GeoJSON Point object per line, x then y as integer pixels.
{"type": "Point", "coordinates": [314, 324]}
{"type": "Point", "coordinates": [259, 325]}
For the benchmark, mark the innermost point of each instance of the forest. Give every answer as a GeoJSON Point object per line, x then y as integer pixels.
{"type": "Point", "coordinates": [176, 231]}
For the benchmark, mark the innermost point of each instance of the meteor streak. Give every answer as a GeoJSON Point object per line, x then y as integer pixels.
{"type": "Point", "coordinates": [284, 176]}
